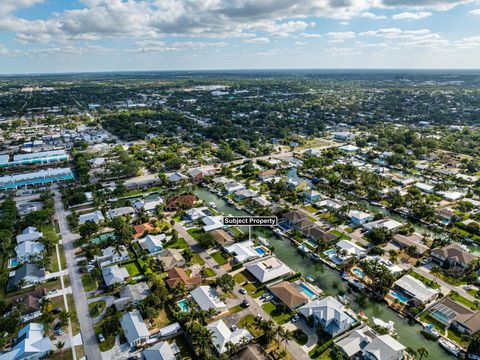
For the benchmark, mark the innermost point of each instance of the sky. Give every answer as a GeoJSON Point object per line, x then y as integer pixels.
{"type": "Point", "coordinates": [50, 36]}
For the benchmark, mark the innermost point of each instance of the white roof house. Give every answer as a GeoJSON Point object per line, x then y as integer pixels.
{"type": "Point", "coordinates": [246, 193]}
{"type": "Point", "coordinates": [152, 243]}
{"type": "Point", "coordinates": [196, 213]}
{"type": "Point", "coordinates": [268, 269]}
{"type": "Point", "coordinates": [351, 248]}
{"type": "Point", "coordinates": [452, 195]}
{"type": "Point", "coordinates": [221, 335]}
{"type": "Point", "coordinates": [416, 289]}
{"type": "Point", "coordinates": [359, 217]}
{"type": "Point", "coordinates": [261, 201]}
{"type": "Point", "coordinates": [330, 314]}
{"type": "Point", "coordinates": [161, 351]}
{"type": "Point", "coordinates": [424, 187]}
{"type": "Point", "coordinates": [29, 234]}
{"type": "Point", "coordinates": [111, 255]}
{"type": "Point", "coordinates": [384, 347]}
{"type": "Point", "coordinates": [207, 298]}
{"type": "Point", "coordinates": [28, 249]}
{"type": "Point", "coordinates": [114, 275]}
{"type": "Point", "coordinates": [32, 344]}
{"type": "Point", "coordinates": [243, 251]}
{"type": "Point", "coordinates": [124, 210]}
{"type": "Point", "coordinates": [95, 216]}
{"type": "Point", "coordinates": [233, 186]}
{"type": "Point", "coordinates": [386, 224]}
{"type": "Point", "coordinates": [212, 222]}
{"type": "Point", "coordinates": [148, 206]}
{"type": "Point", "coordinates": [176, 176]}
{"type": "Point", "coordinates": [134, 328]}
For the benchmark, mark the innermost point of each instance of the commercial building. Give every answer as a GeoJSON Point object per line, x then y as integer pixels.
{"type": "Point", "coordinates": [41, 177]}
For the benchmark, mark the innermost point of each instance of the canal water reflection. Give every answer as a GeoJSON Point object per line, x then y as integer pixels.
{"type": "Point", "coordinates": [331, 283]}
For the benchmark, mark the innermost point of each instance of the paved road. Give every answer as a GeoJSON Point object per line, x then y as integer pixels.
{"type": "Point", "coordinates": [89, 337]}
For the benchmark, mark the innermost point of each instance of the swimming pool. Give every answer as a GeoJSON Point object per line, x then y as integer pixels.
{"type": "Point", "coordinates": [183, 305]}
{"type": "Point", "coordinates": [398, 295]}
{"type": "Point", "coordinates": [330, 252]}
{"type": "Point", "coordinates": [14, 263]}
{"type": "Point", "coordinates": [260, 250]}
{"type": "Point", "coordinates": [440, 317]}
{"type": "Point", "coordinates": [307, 290]}
{"type": "Point", "coordinates": [358, 272]}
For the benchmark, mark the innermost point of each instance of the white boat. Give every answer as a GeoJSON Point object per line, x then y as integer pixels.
{"type": "Point", "coordinates": [212, 205]}
{"type": "Point", "coordinates": [449, 346]}
{"type": "Point", "coordinates": [429, 328]}
{"type": "Point", "coordinates": [263, 241]}
{"type": "Point", "coordinates": [390, 326]}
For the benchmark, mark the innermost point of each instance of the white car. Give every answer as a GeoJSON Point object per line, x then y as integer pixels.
{"type": "Point", "coordinates": [295, 318]}
{"type": "Point", "coordinates": [101, 338]}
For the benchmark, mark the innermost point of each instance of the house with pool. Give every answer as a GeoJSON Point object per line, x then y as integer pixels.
{"type": "Point", "coordinates": [330, 314]}
{"type": "Point", "coordinates": [245, 251]}
{"type": "Point", "coordinates": [268, 269]}
{"type": "Point", "coordinates": [412, 292]}
{"type": "Point", "coordinates": [294, 294]}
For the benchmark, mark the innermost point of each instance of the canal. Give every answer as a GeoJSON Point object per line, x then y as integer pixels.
{"type": "Point", "coordinates": [331, 283]}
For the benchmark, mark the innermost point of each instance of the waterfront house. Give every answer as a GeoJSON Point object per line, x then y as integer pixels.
{"type": "Point", "coordinates": [265, 270]}
{"type": "Point", "coordinates": [358, 217]}
{"type": "Point", "coordinates": [330, 314]}
{"type": "Point", "coordinates": [289, 294]}
{"type": "Point", "coordinates": [384, 347]}
{"type": "Point", "coordinates": [412, 291]}
{"type": "Point", "coordinates": [456, 316]}
{"type": "Point", "coordinates": [243, 251]}
{"type": "Point", "coordinates": [452, 255]}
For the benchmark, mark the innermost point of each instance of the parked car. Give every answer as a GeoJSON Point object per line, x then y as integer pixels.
{"type": "Point", "coordinates": [234, 327]}
{"type": "Point", "coordinates": [242, 291]}
{"type": "Point", "coordinates": [101, 338]}
{"type": "Point", "coordinates": [295, 318]}
{"type": "Point", "coordinates": [245, 303]}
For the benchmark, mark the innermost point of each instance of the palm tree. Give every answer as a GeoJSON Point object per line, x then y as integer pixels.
{"type": "Point", "coordinates": [423, 352]}
{"type": "Point", "coordinates": [60, 345]}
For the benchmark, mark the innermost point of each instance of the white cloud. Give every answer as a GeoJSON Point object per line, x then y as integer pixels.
{"type": "Point", "coordinates": [411, 15]}
{"type": "Point", "coordinates": [301, 43]}
{"type": "Point", "coordinates": [338, 37]}
{"type": "Point", "coordinates": [310, 36]}
{"type": "Point", "coordinates": [468, 43]}
{"type": "Point", "coordinates": [475, 12]}
{"type": "Point", "coordinates": [258, 40]}
{"type": "Point", "coordinates": [370, 15]}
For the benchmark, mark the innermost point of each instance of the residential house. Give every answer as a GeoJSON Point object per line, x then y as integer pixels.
{"type": "Point", "coordinates": [456, 316]}
{"type": "Point", "coordinates": [243, 251]}
{"type": "Point", "coordinates": [148, 206]}
{"type": "Point", "coordinates": [196, 174]}
{"type": "Point", "coordinates": [96, 217]}
{"type": "Point", "coordinates": [121, 211]}
{"type": "Point", "coordinates": [330, 314]}
{"type": "Point", "coordinates": [222, 237]}
{"type": "Point", "coordinates": [384, 224]}
{"type": "Point", "coordinates": [212, 223]}
{"type": "Point", "coordinates": [161, 351]}
{"type": "Point", "coordinates": [358, 217]}
{"type": "Point", "coordinates": [245, 194]}
{"type": "Point", "coordinates": [384, 347]}
{"type": "Point", "coordinates": [289, 294]}
{"type": "Point", "coordinates": [197, 213]}
{"type": "Point", "coordinates": [132, 294]}
{"type": "Point", "coordinates": [350, 249]}
{"type": "Point", "coordinates": [207, 298]}
{"type": "Point", "coordinates": [268, 269]}
{"type": "Point", "coordinates": [319, 235]}
{"type": "Point", "coordinates": [222, 335]}
{"type": "Point", "coordinates": [311, 195]}
{"type": "Point", "coordinates": [114, 275]}
{"type": "Point", "coordinates": [28, 250]}
{"type": "Point", "coordinates": [152, 243]}
{"type": "Point", "coordinates": [141, 229]}
{"type": "Point", "coordinates": [171, 258]}
{"type": "Point", "coordinates": [30, 344]}
{"type": "Point", "coordinates": [112, 255]}
{"type": "Point", "coordinates": [134, 328]}
{"type": "Point", "coordinates": [29, 234]}
{"type": "Point", "coordinates": [27, 275]}
{"type": "Point", "coordinates": [267, 174]}
{"type": "Point", "coordinates": [365, 343]}
{"type": "Point", "coordinates": [293, 217]}
{"type": "Point", "coordinates": [414, 241]}
{"type": "Point", "coordinates": [31, 300]}
{"type": "Point", "coordinates": [177, 177]}
{"type": "Point", "coordinates": [452, 255]}
{"type": "Point", "coordinates": [233, 186]}
{"type": "Point", "coordinates": [416, 291]}
{"type": "Point", "coordinates": [181, 202]}
{"type": "Point", "coordinates": [178, 275]}
{"type": "Point", "coordinates": [261, 201]}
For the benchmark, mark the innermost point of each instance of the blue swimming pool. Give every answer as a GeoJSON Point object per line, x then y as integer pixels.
{"type": "Point", "coordinates": [330, 252]}
{"type": "Point", "coordinates": [440, 317]}
{"type": "Point", "coordinates": [398, 295]}
{"type": "Point", "coordinates": [14, 262]}
{"type": "Point", "coordinates": [183, 305]}
{"type": "Point", "coordinates": [307, 290]}
{"type": "Point", "coordinates": [358, 272]}
{"type": "Point", "coordinates": [260, 250]}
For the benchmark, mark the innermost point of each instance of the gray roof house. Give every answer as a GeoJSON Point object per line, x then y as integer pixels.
{"type": "Point", "coordinates": [134, 328]}
{"type": "Point", "coordinates": [330, 314]}
{"type": "Point", "coordinates": [419, 293]}
{"type": "Point", "coordinates": [31, 273]}
{"type": "Point", "coordinates": [132, 294]}
{"type": "Point", "coordinates": [161, 351]}
{"type": "Point", "coordinates": [384, 347]}
{"type": "Point", "coordinates": [114, 275]}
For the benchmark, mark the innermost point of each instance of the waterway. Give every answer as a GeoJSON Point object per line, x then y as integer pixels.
{"type": "Point", "coordinates": [331, 283]}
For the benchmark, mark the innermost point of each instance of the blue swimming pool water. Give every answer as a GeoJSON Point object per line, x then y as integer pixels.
{"type": "Point", "coordinates": [358, 272]}
{"type": "Point", "coordinates": [440, 316]}
{"type": "Point", "coordinates": [403, 298]}
{"type": "Point", "coordinates": [260, 250]}
{"type": "Point", "coordinates": [14, 262]}
{"type": "Point", "coordinates": [330, 252]}
{"type": "Point", "coordinates": [307, 290]}
{"type": "Point", "coordinates": [183, 305]}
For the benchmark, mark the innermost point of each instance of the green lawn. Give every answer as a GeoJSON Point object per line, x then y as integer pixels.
{"type": "Point", "coordinates": [341, 235]}
{"type": "Point", "coordinates": [248, 322]}
{"type": "Point", "coordinates": [96, 308]}
{"type": "Point", "coordinates": [310, 209]}
{"type": "Point", "coordinates": [425, 280]}
{"type": "Point", "coordinates": [219, 258]}
{"type": "Point", "coordinates": [278, 316]}
{"type": "Point", "coordinates": [472, 305]}
{"type": "Point", "coordinates": [132, 268]}
{"type": "Point", "coordinates": [300, 337]}
{"type": "Point", "coordinates": [179, 244]}
{"type": "Point", "coordinates": [240, 278]}
{"type": "Point", "coordinates": [195, 232]}
{"type": "Point", "coordinates": [209, 272]}
{"type": "Point", "coordinates": [197, 259]}
{"type": "Point", "coordinates": [251, 289]}
{"type": "Point", "coordinates": [427, 318]}
{"type": "Point", "coordinates": [89, 283]}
